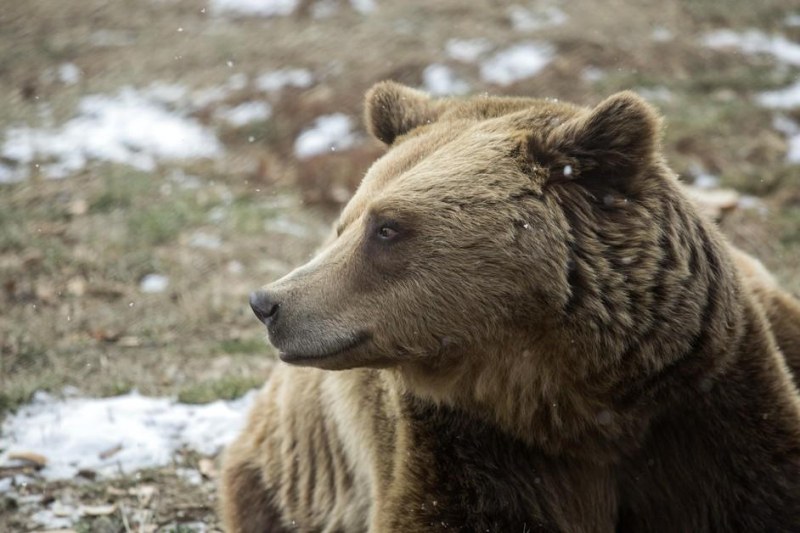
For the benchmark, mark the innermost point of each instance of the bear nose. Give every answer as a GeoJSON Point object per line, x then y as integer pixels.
{"type": "Point", "coordinates": [264, 306]}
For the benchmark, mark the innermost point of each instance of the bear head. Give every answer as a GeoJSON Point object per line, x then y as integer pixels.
{"type": "Point", "coordinates": [539, 242]}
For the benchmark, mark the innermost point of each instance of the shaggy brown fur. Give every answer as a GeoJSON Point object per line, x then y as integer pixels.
{"type": "Point", "coordinates": [535, 330]}
{"type": "Point", "coordinates": [782, 310]}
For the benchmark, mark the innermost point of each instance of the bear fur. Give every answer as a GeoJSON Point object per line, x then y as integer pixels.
{"type": "Point", "coordinates": [782, 310]}
{"type": "Point", "coordinates": [532, 329]}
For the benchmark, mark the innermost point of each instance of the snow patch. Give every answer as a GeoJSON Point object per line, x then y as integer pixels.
{"type": "Point", "coordinates": [793, 20]}
{"type": "Point", "coordinates": [235, 267]}
{"type": "Point", "coordinates": [245, 113]}
{"type": "Point", "coordinates": [660, 34]}
{"type": "Point", "coordinates": [702, 179]}
{"type": "Point", "coordinates": [324, 8]}
{"type": "Point", "coordinates": [129, 128]}
{"type": "Point", "coordinates": [189, 475]}
{"type": "Point", "coordinates": [7, 175]}
{"type": "Point", "coordinates": [363, 6]}
{"type": "Point", "coordinates": [69, 73]}
{"type": "Point", "coordinates": [261, 8]}
{"type": "Point", "coordinates": [535, 18]}
{"type": "Point", "coordinates": [165, 93]}
{"type": "Point", "coordinates": [706, 181]}
{"type": "Point", "coordinates": [57, 516]}
{"type": "Point", "coordinates": [154, 283]}
{"type": "Point", "coordinates": [786, 98]}
{"type": "Point", "coordinates": [329, 133]}
{"type": "Point", "coordinates": [277, 8]}
{"type": "Point", "coordinates": [756, 42]}
{"type": "Point", "coordinates": [467, 50]}
{"type": "Point", "coordinates": [289, 77]}
{"type": "Point", "coordinates": [205, 240]}
{"type": "Point", "coordinates": [83, 433]}
{"type": "Point", "coordinates": [517, 62]}
{"type": "Point", "coordinates": [440, 80]}
{"type": "Point", "coordinates": [752, 202]}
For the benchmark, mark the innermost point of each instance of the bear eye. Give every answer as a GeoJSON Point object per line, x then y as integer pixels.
{"type": "Point", "coordinates": [386, 233]}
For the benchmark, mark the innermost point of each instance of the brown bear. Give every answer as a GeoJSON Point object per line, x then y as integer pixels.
{"type": "Point", "coordinates": [532, 330]}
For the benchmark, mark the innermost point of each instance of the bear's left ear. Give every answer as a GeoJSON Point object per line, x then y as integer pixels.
{"type": "Point", "coordinates": [393, 110]}
{"type": "Point", "coordinates": [609, 145]}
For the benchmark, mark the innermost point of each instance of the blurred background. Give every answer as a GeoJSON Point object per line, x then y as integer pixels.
{"type": "Point", "coordinates": [159, 159]}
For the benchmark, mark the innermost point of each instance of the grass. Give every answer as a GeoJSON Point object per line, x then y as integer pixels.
{"type": "Point", "coordinates": [790, 226]}
{"type": "Point", "coordinates": [13, 396]}
{"type": "Point", "coordinates": [224, 388]}
{"type": "Point", "coordinates": [121, 187]}
{"type": "Point", "coordinates": [741, 13]}
{"type": "Point", "coordinates": [160, 224]}
{"type": "Point", "coordinates": [245, 346]}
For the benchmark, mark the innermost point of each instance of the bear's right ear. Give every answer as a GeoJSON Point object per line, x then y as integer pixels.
{"type": "Point", "coordinates": [393, 110]}
{"type": "Point", "coordinates": [609, 146]}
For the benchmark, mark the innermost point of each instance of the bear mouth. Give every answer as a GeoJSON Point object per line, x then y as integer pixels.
{"type": "Point", "coordinates": [326, 353]}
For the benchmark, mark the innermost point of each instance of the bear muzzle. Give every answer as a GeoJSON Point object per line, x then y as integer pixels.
{"type": "Point", "coordinates": [265, 306]}
{"type": "Point", "coordinates": [301, 337]}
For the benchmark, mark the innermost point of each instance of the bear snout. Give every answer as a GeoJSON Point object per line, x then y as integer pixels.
{"type": "Point", "coordinates": [265, 306]}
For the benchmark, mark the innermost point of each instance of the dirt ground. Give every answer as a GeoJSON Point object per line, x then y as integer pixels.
{"type": "Point", "coordinates": [74, 251]}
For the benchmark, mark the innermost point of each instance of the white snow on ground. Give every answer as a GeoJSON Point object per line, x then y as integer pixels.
{"type": "Point", "coordinates": [516, 63]}
{"type": "Point", "coordinates": [261, 8]}
{"type": "Point", "coordinates": [467, 50]}
{"type": "Point", "coordinates": [704, 180]}
{"type": "Point", "coordinates": [756, 42]}
{"type": "Point", "coordinates": [792, 20]}
{"type": "Point", "coordinates": [660, 34]}
{"type": "Point", "coordinates": [153, 283]}
{"type": "Point", "coordinates": [363, 6]}
{"type": "Point", "coordinates": [165, 93]}
{"type": "Point", "coordinates": [786, 98]}
{"type": "Point", "coordinates": [76, 433]}
{"type": "Point", "coordinates": [324, 8]}
{"type": "Point", "coordinates": [129, 128]}
{"type": "Point", "coordinates": [57, 516]}
{"type": "Point", "coordinates": [289, 77]}
{"type": "Point", "coordinates": [440, 80]}
{"type": "Point", "coordinates": [535, 18]}
{"type": "Point", "coordinates": [753, 41]}
{"type": "Point", "coordinates": [245, 113]}
{"type": "Point", "coordinates": [69, 73]}
{"type": "Point", "coordinates": [274, 8]}
{"type": "Point", "coordinates": [329, 133]}
{"type": "Point", "coordinates": [208, 241]}
{"type": "Point", "coordinates": [7, 175]}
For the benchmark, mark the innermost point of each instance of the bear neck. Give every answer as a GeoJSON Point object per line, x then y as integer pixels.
{"type": "Point", "coordinates": [590, 383]}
